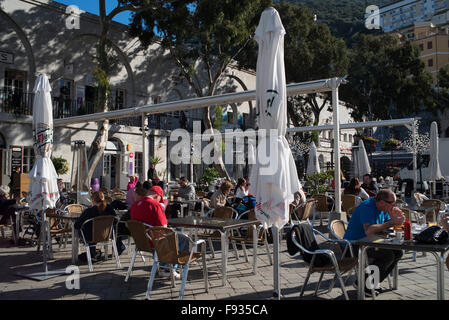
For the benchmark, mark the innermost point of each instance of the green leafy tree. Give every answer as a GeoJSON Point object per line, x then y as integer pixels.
{"type": "Point", "coordinates": [203, 38]}
{"type": "Point", "coordinates": [441, 94]}
{"type": "Point", "coordinates": [386, 79]}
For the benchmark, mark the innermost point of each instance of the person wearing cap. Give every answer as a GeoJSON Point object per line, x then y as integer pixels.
{"type": "Point", "coordinates": [149, 211]}
{"type": "Point", "coordinates": [157, 194]}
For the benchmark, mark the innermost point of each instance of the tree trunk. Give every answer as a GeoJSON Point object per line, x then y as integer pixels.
{"type": "Point", "coordinates": [220, 167]}
{"type": "Point", "coordinates": [97, 147]}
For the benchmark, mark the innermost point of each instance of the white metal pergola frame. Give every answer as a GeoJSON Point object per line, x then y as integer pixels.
{"type": "Point", "coordinates": [324, 85]}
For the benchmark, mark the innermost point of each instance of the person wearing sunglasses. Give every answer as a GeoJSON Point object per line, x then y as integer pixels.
{"type": "Point", "coordinates": [375, 216]}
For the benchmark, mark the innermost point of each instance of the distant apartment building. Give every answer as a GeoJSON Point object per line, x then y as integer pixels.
{"type": "Point", "coordinates": [433, 44]}
{"type": "Point", "coordinates": [403, 14]}
{"type": "Point", "coordinates": [426, 24]}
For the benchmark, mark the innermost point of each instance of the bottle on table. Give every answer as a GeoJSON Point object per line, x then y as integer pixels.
{"type": "Point", "coordinates": [407, 230]}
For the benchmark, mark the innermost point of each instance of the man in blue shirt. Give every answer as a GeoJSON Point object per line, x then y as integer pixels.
{"type": "Point", "coordinates": [373, 216]}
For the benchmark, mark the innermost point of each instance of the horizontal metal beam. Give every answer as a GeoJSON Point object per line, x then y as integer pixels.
{"type": "Point", "coordinates": [345, 126]}
{"type": "Point", "coordinates": [189, 104]}
{"type": "Point", "coordinates": [357, 125]}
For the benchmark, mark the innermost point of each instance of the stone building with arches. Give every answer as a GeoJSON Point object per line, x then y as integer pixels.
{"type": "Point", "coordinates": [34, 39]}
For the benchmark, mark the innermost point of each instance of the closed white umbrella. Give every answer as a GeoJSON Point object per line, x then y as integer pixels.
{"type": "Point", "coordinates": [273, 178]}
{"type": "Point", "coordinates": [313, 165]}
{"type": "Point", "coordinates": [434, 163]}
{"type": "Point", "coordinates": [362, 160]}
{"type": "Point", "coordinates": [43, 177]}
{"type": "Point", "coordinates": [43, 187]}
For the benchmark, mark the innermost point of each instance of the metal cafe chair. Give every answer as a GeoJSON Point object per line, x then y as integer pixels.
{"type": "Point", "coordinates": [165, 242]}
{"type": "Point", "coordinates": [322, 207]}
{"type": "Point", "coordinates": [248, 237]}
{"type": "Point", "coordinates": [102, 229]}
{"type": "Point", "coordinates": [138, 232]}
{"type": "Point", "coordinates": [223, 213]}
{"type": "Point", "coordinates": [349, 203]}
{"type": "Point", "coordinates": [336, 266]}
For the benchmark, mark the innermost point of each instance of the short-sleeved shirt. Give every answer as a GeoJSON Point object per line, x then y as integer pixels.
{"type": "Point", "coordinates": [148, 211]}
{"type": "Point", "coordinates": [365, 213]}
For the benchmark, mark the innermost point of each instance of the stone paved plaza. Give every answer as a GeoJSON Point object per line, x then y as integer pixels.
{"type": "Point", "coordinates": [417, 280]}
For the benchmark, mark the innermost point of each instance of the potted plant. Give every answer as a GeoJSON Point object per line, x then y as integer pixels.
{"type": "Point", "coordinates": [390, 144]}
{"type": "Point", "coordinates": [317, 182]}
{"type": "Point", "coordinates": [210, 175]}
{"type": "Point", "coordinates": [61, 165]}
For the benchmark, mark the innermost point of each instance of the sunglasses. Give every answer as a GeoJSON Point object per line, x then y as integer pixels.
{"type": "Point", "coordinates": [390, 202]}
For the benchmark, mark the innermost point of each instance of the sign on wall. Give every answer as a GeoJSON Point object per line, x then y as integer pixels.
{"type": "Point", "coordinates": [16, 157]}
{"type": "Point", "coordinates": [6, 57]}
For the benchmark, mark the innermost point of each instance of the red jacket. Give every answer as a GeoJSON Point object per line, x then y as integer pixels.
{"type": "Point", "coordinates": [149, 211]}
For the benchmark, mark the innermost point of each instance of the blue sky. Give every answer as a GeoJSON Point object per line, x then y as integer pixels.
{"type": "Point", "coordinates": [92, 7]}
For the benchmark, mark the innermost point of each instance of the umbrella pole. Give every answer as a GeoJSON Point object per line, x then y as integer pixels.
{"type": "Point", "coordinates": [44, 240]}
{"type": "Point", "coordinates": [276, 275]}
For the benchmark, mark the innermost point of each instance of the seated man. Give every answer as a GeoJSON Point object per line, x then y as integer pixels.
{"type": "Point", "coordinates": [187, 192]}
{"type": "Point", "coordinates": [157, 194]}
{"type": "Point", "coordinates": [374, 216]}
{"type": "Point", "coordinates": [369, 185]}
{"type": "Point", "coordinates": [158, 182]}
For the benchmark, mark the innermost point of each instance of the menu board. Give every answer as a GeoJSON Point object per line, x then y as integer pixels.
{"type": "Point", "coordinates": [16, 157]}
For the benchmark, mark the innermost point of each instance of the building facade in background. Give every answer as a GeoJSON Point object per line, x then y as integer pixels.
{"type": "Point", "coordinates": [34, 39]}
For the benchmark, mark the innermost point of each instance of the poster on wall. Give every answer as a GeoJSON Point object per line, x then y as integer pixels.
{"type": "Point", "coordinates": [16, 157]}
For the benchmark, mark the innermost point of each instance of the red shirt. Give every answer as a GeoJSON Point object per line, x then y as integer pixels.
{"type": "Point", "coordinates": [149, 211]}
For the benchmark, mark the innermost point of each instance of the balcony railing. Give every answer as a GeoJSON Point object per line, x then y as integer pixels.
{"type": "Point", "coordinates": [20, 103]}
{"type": "Point", "coordinates": [16, 102]}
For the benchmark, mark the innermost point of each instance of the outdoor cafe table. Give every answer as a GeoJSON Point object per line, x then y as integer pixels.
{"type": "Point", "coordinates": [70, 217]}
{"type": "Point", "coordinates": [223, 226]}
{"type": "Point", "coordinates": [375, 241]}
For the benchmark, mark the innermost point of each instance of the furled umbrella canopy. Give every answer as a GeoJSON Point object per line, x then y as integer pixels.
{"type": "Point", "coordinates": [434, 163]}
{"type": "Point", "coordinates": [43, 177]}
{"type": "Point", "coordinates": [363, 166]}
{"type": "Point", "coordinates": [313, 165]}
{"type": "Point", "coordinates": [274, 178]}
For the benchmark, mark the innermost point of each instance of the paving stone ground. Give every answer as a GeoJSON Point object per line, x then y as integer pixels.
{"type": "Point", "coordinates": [417, 280]}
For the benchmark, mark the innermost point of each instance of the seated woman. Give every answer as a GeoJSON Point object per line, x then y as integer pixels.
{"type": "Point", "coordinates": [356, 189]}
{"type": "Point", "coordinates": [99, 208]}
{"type": "Point", "coordinates": [240, 191]}
{"type": "Point", "coordinates": [219, 198]}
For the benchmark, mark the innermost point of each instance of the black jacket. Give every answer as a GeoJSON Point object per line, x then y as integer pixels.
{"type": "Point", "coordinates": [305, 237]}
{"type": "Point", "coordinates": [151, 173]}
{"type": "Point", "coordinates": [90, 213]}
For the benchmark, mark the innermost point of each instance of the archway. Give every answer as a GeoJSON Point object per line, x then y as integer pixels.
{"type": "Point", "coordinates": [26, 43]}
